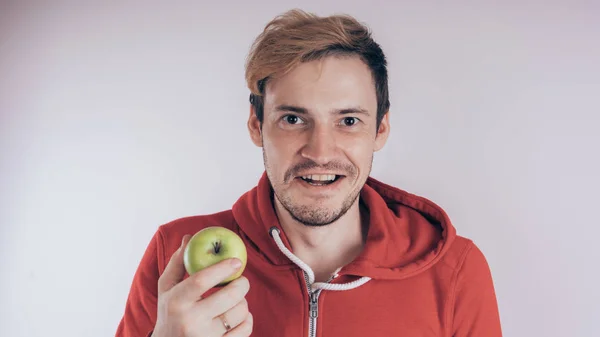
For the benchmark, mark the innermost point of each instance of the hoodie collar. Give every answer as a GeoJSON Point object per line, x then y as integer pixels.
{"type": "Point", "coordinates": [407, 233]}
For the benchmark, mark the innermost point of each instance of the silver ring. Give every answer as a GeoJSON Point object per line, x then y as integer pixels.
{"type": "Point", "coordinates": [224, 321]}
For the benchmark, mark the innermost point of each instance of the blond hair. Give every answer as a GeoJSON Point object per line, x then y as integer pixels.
{"type": "Point", "coordinates": [297, 36]}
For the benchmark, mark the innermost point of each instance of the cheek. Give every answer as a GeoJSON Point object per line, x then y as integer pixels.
{"type": "Point", "coordinates": [362, 157]}
{"type": "Point", "coordinates": [281, 149]}
{"type": "Point", "coordinates": [359, 148]}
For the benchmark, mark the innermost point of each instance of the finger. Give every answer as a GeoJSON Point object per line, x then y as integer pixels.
{"type": "Point", "coordinates": [175, 270]}
{"type": "Point", "coordinates": [226, 298]}
{"type": "Point", "coordinates": [234, 317]}
{"type": "Point", "coordinates": [192, 288]}
{"type": "Point", "coordinates": [242, 330]}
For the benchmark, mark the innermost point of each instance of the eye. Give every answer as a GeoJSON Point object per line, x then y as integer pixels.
{"type": "Point", "coordinates": [292, 119]}
{"type": "Point", "coordinates": [349, 121]}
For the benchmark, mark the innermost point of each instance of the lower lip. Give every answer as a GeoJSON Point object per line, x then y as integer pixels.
{"type": "Point", "coordinates": [320, 188]}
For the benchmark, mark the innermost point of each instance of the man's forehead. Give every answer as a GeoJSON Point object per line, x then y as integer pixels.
{"type": "Point", "coordinates": [342, 83]}
{"type": "Point", "coordinates": [328, 70]}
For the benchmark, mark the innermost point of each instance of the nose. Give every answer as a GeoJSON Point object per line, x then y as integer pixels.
{"type": "Point", "coordinates": [321, 146]}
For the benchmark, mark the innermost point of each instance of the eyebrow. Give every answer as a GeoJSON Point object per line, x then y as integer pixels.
{"type": "Point", "coordinates": [304, 111]}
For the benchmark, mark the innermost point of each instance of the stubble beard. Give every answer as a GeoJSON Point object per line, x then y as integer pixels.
{"type": "Point", "coordinates": [313, 215]}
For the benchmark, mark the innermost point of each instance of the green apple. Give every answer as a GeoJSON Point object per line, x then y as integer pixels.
{"type": "Point", "coordinates": [211, 245]}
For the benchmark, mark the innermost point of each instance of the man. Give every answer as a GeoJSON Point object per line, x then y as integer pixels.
{"type": "Point", "coordinates": [331, 251]}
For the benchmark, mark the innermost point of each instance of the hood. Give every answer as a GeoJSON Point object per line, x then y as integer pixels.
{"type": "Point", "coordinates": [407, 233]}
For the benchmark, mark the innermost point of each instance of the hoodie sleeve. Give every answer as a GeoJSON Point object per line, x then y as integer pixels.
{"type": "Point", "coordinates": [139, 317]}
{"type": "Point", "coordinates": [475, 305]}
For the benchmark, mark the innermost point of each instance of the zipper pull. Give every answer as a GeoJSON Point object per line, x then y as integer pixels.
{"type": "Point", "coordinates": [314, 305]}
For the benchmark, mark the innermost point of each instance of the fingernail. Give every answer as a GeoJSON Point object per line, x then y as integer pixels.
{"type": "Point", "coordinates": [236, 263]}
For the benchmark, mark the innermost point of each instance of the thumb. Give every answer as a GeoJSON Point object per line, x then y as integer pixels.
{"type": "Point", "coordinates": [175, 270]}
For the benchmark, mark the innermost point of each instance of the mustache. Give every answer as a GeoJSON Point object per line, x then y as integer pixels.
{"type": "Point", "coordinates": [309, 164]}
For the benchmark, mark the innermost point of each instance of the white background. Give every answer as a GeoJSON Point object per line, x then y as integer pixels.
{"type": "Point", "coordinates": [117, 118]}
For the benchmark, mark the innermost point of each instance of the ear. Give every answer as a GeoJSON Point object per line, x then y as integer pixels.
{"type": "Point", "coordinates": [383, 132]}
{"type": "Point", "coordinates": [254, 127]}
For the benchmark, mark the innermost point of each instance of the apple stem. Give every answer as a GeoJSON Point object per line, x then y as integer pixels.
{"type": "Point", "coordinates": [217, 247]}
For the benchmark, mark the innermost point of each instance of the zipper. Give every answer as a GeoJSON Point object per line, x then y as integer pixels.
{"type": "Point", "coordinates": [313, 307]}
{"type": "Point", "coordinates": [314, 313]}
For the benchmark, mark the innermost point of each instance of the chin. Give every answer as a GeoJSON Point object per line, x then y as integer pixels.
{"type": "Point", "coordinates": [316, 212]}
{"type": "Point", "coordinates": [315, 217]}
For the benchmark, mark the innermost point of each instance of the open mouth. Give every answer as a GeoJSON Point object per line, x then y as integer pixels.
{"type": "Point", "coordinates": [321, 179]}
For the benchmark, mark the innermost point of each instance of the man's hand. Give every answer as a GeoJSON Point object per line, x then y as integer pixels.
{"type": "Point", "coordinates": [182, 310]}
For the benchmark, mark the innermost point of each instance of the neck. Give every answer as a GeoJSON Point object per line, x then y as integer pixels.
{"type": "Point", "coordinates": [326, 248]}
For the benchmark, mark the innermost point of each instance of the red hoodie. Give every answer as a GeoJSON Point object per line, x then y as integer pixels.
{"type": "Point", "coordinates": [415, 276]}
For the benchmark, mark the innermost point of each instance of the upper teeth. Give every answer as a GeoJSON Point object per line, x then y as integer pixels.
{"type": "Point", "coordinates": [320, 177]}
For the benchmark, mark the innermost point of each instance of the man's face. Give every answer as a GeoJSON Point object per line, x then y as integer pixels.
{"type": "Point", "coordinates": [318, 137]}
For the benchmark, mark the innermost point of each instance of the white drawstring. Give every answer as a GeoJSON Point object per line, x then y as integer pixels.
{"type": "Point", "coordinates": [311, 275]}
{"type": "Point", "coordinates": [342, 286]}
